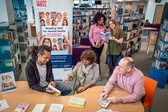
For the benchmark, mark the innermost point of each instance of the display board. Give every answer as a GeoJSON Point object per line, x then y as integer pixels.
{"type": "Point", "coordinates": [54, 21]}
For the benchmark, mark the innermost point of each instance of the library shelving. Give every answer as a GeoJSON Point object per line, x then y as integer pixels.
{"type": "Point", "coordinates": [21, 24]}
{"type": "Point", "coordinates": [159, 69]}
{"type": "Point", "coordinates": [132, 27]}
{"type": "Point", "coordinates": [83, 19]}
{"type": "Point", "coordinates": [9, 49]}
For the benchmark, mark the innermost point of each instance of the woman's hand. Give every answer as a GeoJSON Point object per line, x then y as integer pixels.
{"type": "Point", "coordinates": [69, 41]}
{"type": "Point", "coordinates": [52, 83]}
{"type": "Point", "coordinates": [67, 79]}
{"type": "Point", "coordinates": [39, 39]}
{"type": "Point", "coordinates": [82, 88]}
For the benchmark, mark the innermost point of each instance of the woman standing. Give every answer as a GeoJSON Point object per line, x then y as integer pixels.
{"type": "Point", "coordinates": [114, 45]}
{"type": "Point", "coordinates": [97, 43]}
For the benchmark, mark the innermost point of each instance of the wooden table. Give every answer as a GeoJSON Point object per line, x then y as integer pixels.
{"type": "Point", "coordinates": [24, 94]}
{"type": "Point", "coordinates": [150, 29]}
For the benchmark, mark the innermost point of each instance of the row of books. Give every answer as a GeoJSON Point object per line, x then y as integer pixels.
{"type": "Point", "coordinates": [165, 25]}
{"type": "Point", "coordinates": [130, 50]}
{"type": "Point", "coordinates": [164, 35]}
{"type": "Point", "coordinates": [9, 35]}
{"type": "Point", "coordinates": [133, 33]}
{"type": "Point", "coordinates": [161, 65]}
{"type": "Point", "coordinates": [163, 46]}
{"type": "Point", "coordinates": [163, 56]}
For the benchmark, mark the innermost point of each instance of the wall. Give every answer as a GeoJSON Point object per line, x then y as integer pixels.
{"type": "Point", "coordinates": [128, 6]}
{"type": "Point", "coordinates": [3, 11]}
{"type": "Point", "coordinates": [150, 10]}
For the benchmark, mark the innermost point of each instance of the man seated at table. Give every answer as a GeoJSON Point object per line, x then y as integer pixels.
{"type": "Point", "coordinates": [128, 78]}
{"type": "Point", "coordinates": [39, 72]}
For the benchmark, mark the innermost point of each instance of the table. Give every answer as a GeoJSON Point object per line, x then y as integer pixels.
{"type": "Point", "coordinates": [150, 29]}
{"type": "Point", "coordinates": [24, 94]}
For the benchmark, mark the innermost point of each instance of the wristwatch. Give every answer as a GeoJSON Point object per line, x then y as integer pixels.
{"type": "Point", "coordinates": [86, 85]}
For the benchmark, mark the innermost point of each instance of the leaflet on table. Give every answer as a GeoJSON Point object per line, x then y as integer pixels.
{"type": "Point", "coordinates": [7, 82]}
{"type": "Point", "coordinates": [3, 105]}
{"type": "Point", "coordinates": [56, 108]}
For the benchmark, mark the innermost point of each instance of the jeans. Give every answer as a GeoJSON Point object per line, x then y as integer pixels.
{"type": "Point", "coordinates": [65, 90]}
{"type": "Point", "coordinates": [98, 52]}
{"type": "Point", "coordinates": [112, 59]}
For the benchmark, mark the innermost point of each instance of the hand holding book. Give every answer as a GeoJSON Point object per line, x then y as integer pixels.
{"type": "Point", "coordinates": [105, 35]}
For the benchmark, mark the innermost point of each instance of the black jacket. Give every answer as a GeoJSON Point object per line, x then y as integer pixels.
{"type": "Point", "coordinates": [33, 77]}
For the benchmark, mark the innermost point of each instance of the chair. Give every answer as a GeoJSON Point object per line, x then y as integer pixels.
{"type": "Point", "coordinates": [150, 86]}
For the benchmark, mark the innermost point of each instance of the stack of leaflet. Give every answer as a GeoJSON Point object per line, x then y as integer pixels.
{"type": "Point", "coordinates": [76, 102]}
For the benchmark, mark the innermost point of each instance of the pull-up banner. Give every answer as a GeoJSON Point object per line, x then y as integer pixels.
{"type": "Point", "coordinates": [54, 21]}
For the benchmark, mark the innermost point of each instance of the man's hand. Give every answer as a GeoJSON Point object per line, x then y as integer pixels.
{"type": "Point", "coordinates": [52, 83]}
{"type": "Point", "coordinates": [81, 88]}
{"type": "Point", "coordinates": [69, 41]}
{"type": "Point", "coordinates": [39, 39]}
{"type": "Point", "coordinates": [104, 95]}
{"type": "Point", "coordinates": [115, 99]}
{"type": "Point", "coordinates": [48, 90]}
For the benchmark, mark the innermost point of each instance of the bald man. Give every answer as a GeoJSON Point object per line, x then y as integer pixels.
{"type": "Point", "coordinates": [128, 78]}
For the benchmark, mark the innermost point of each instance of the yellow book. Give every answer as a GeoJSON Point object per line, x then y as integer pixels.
{"type": "Point", "coordinates": [76, 102]}
{"type": "Point", "coordinates": [73, 105]}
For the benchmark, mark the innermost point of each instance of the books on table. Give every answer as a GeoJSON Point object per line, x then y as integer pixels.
{"type": "Point", "coordinates": [39, 108]}
{"type": "Point", "coordinates": [22, 107]}
{"type": "Point", "coordinates": [56, 108]}
{"type": "Point", "coordinates": [3, 105]}
{"type": "Point", "coordinates": [105, 35]}
{"type": "Point", "coordinates": [7, 82]}
{"type": "Point", "coordinates": [76, 102]}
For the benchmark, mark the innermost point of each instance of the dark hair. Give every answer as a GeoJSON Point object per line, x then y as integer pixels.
{"type": "Point", "coordinates": [89, 55]}
{"type": "Point", "coordinates": [39, 49]}
{"type": "Point", "coordinates": [53, 20]}
{"type": "Point", "coordinates": [49, 41]}
{"type": "Point", "coordinates": [98, 16]}
{"type": "Point", "coordinates": [47, 13]}
{"type": "Point", "coordinates": [66, 22]}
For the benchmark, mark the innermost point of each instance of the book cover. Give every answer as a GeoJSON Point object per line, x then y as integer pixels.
{"type": "Point", "coordinates": [76, 102]}
{"type": "Point", "coordinates": [22, 107]}
{"type": "Point", "coordinates": [39, 108]}
{"type": "Point", "coordinates": [7, 82]}
{"type": "Point", "coordinates": [56, 108]}
{"type": "Point", "coordinates": [105, 35]}
{"type": "Point", "coordinates": [3, 105]}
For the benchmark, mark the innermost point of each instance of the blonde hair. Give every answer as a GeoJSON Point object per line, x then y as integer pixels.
{"type": "Point", "coordinates": [117, 28]}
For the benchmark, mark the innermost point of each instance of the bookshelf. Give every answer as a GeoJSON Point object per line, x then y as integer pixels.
{"type": "Point", "coordinates": [21, 24]}
{"type": "Point", "coordinates": [132, 29]}
{"type": "Point", "coordinates": [160, 61]}
{"type": "Point", "coordinates": [83, 19]}
{"type": "Point", "coordinates": [159, 69]}
{"type": "Point", "coordinates": [9, 49]}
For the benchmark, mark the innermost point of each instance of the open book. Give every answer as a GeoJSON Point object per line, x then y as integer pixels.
{"type": "Point", "coordinates": [105, 35]}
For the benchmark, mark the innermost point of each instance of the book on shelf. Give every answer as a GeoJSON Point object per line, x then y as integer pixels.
{"type": "Point", "coordinates": [165, 36]}
{"type": "Point", "coordinates": [56, 107]}
{"type": "Point", "coordinates": [76, 102]}
{"type": "Point", "coordinates": [7, 82]}
{"type": "Point", "coordinates": [161, 65]}
{"type": "Point", "coordinates": [22, 107]}
{"type": "Point", "coordinates": [106, 35]}
{"type": "Point", "coordinates": [39, 108]}
{"type": "Point", "coordinates": [163, 46]}
{"type": "Point", "coordinates": [165, 25]}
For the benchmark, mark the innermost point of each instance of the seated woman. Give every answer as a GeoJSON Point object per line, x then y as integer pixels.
{"type": "Point", "coordinates": [86, 71]}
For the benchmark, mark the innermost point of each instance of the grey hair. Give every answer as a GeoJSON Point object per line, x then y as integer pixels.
{"type": "Point", "coordinates": [130, 62]}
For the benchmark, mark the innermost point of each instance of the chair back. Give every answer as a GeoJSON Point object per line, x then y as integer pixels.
{"type": "Point", "coordinates": [150, 87]}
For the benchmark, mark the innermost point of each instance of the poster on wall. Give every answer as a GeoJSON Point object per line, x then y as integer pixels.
{"type": "Point", "coordinates": [41, 3]}
{"type": "Point", "coordinates": [54, 23]}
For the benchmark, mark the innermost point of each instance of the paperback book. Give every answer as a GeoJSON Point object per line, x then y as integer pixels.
{"type": "Point", "coordinates": [105, 35]}
{"type": "Point", "coordinates": [39, 108]}
{"type": "Point", "coordinates": [7, 82]}
{"type": "Point", "coordinates": [56, 108]}
{"type": "Point", "coordinates": [22, 107]}
{"type": "Point", "coordinates": [76, 102]}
